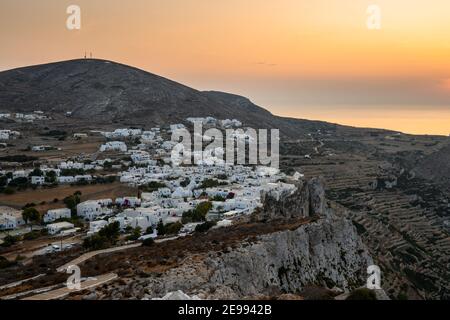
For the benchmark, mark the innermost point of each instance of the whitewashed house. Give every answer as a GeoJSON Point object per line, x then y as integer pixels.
{"type": "Point", "coordinates": [56, 214]}
{"type": "Point", "coordinates": [37, 180]}
{"type": "Point", "coordinates": [114, 146]}
{"type": "Point", "coordinates": [128, 202]}
{"type": "Point", "coordinates": [92, 209]}
{"type": "Point", "coordinates": [96, 226]}
{"type": "Point", "coordinates": [12, 218]}
{"type": "Point", "coordinates": [56, 228]}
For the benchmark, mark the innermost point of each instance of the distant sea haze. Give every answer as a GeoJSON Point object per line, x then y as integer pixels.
{"type": "Point", "coordinates": [428, 120]}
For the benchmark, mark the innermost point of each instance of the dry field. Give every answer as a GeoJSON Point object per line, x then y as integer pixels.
{"type": "Point", "coordinates": [47, 195]}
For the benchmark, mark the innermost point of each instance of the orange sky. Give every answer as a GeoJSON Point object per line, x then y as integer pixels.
{"type": "Point", "coordinates": [295, 57]}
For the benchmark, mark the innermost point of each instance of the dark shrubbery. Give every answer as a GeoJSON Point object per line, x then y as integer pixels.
{"type": "Point", "coordinates": [198, 214]}
{"type": "Point", "coordinates": [148, 242]}
{"type": "Point", "coordinates": [168, 229]}
{"type": "Point", "coordinates": [5, 263]}
{"type": "Point", "coordinates": [18, 158]}
{"type": "Point", "coordinates": [106, 237]}
{"type": "Point", "coordinates": [362, 294]}
{"type": "Point", "coordinates": [205, 226]}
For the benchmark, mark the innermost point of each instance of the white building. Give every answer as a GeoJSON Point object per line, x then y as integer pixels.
{"type": "Point", "coordinates": [227, 123]}
{"type": "Point", "coordinates": [114, 146]}
{"type": "Point", "coordinates": [96, 226]}
{"type": "Point", "coordinates": [11, 218]}
{"type": "Point", "coordinates": [92, 209]}
{"type": "Point", "coordinates": [128, 202]}
{"type": "Point", "coordinates": [37, 180]}
{"type": "Point", "coordinates": [56, 228]}
{"type": "Point", "coordinates": [8, 134]}
{"type": "Point", "coordinates": [53, 215]}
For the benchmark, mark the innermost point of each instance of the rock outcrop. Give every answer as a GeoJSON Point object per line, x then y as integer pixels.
{"type": "Point", "coordinates": [326, 253]}
{"type": "Point", "coordinates": [307, 201]}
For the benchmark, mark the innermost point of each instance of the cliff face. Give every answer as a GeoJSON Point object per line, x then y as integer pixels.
{"type": "Point", "coordinates": [316, 247]}
{"type": "Point", "coordinates": [325, 253]}
{"type": "Point", "coordinates": [307, 201]}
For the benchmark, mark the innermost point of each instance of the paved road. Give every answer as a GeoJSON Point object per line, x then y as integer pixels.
{"type": "Point", "coordinates": [63, 292]}
{"type": "Point", "coordinates": [91, 254]}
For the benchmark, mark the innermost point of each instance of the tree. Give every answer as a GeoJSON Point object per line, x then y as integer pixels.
{"type": "Point", "coordinates": [111, 232]}
{"type": "Point", "coordinates": [31, 215]}
{"type": "Point", "coordinates": [205, 226]}
{"type": "Point", "coordinates": [136, 234]}
{"type": "Point", "coordinates": [149, 230]}
{"type": "Point", "coordinates": [36, 173]}
{"type": "Point", "coordinates": [72, 201]}
{"type": "Point", "coordinates": [3, 181]}
{"type": "Point", "coordinates": [50, 176]}
{"type": "Point", "coordinates": [107, 236]}
{"type": "Point", "coordinates": [173, 228]}
{"type": "Point", "coordinates": [160, 228]}
{"type": "Point", "coordinates": [198, 214]}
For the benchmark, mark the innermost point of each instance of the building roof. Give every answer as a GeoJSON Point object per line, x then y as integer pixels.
{"type": "Point", "coordinates": [61, 225]}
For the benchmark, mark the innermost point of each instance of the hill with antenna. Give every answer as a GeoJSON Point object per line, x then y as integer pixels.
{"type": "Point", "coordinates": [100, 91]}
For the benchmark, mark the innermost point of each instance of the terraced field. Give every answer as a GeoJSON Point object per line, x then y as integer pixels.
{"type": "Point", "coordinates": [400, 217]}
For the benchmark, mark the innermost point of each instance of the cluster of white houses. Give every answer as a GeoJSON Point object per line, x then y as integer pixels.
{"type": "Point", "coordinates": [169, 191]}
{"type": "Point", "coordinates": [8, 134]}
{"type": "Point", "coordinates": [24, 117]}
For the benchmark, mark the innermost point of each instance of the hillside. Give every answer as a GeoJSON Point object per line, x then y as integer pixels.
{"type": "Point", "coordinates": [99, 91]}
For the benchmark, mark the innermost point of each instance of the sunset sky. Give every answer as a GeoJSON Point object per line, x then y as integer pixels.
{"type": "Point", "coordinates": [300, 58]}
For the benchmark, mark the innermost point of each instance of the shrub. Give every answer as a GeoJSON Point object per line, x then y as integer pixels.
{"type": "Point", "coordinates": [136, 234]}
{"type": "Point", "coordinates": [198, 214]}
{"type": "Point", "coordinates": [5, 263]}
{"type": "Point", "coordinates": [205, 226]}
{"type": "Point", "coordinates": [9, 240]}
{"type": "Point", "coordinates": [173, 228]}
{"type": "Point", "coordinates": [32, 235]}
{"type": "Point", "coordinates": [362, 294]}
{"type": "Point", "coordinates": [148, 242]}
{"type": "Point", "coordinates": [9, 191]}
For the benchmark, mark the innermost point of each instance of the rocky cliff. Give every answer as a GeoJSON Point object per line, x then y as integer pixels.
{"type": "Point", "coordinates": [325, 252]}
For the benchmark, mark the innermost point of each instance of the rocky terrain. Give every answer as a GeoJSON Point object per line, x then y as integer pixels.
{"type": "Point", "coordinates": [392, 187]}
{"type": "Point", "coordinates": [325, 252]}
{"type": "Point", "coordinates": [401, 214]}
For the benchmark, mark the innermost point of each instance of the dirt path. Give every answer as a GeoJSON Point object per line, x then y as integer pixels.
{"type": "Point", "coordinates": [89, 255]}
{"type": "Point", "coordinates": [63, 292]}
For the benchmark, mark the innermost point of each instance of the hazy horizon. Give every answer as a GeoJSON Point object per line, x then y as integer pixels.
{"type": "Point", "coordinates": [312, 60]}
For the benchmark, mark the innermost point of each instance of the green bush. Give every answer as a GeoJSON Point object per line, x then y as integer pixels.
{"type": "Point", "coordinates": [198, 214]}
